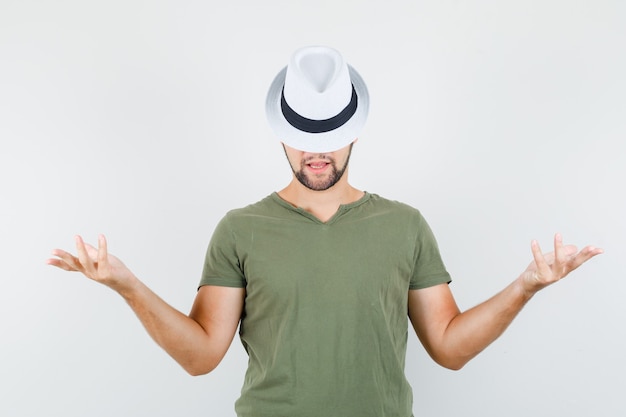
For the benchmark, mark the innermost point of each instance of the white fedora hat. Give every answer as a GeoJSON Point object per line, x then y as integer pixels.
{"type": "Point", "coordinates": [318, 103]}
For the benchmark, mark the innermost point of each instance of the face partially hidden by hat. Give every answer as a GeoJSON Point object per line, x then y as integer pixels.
{"type": "Point", "coordinates": [318, 103]}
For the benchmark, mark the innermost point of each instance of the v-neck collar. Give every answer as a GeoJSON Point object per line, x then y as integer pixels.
{"type": "Point", "coordinates": [340, 211]}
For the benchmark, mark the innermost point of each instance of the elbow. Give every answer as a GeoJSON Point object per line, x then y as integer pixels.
{"type": "Point", "coordinates": [451, 357]}
{"type": "Point", "coordinates": [201, 363]}
{"type": "Point", "coordinates": [199, 369]}
{"type": "Point", "coordinates": [453, 363]}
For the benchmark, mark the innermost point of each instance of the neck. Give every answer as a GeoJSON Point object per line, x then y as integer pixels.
{"type": "Point", "coordinates": [322, 204]}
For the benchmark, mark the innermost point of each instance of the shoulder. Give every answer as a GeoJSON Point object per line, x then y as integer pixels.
{"type": "Point", "coordinates": [265, 209]}
{"type": "Point", "coordinates": [379, 204]}
{"type": "Point", "coordinates": [264, 205]}
{"type": "Point", "coordinates": [239, 220]}
{"type": "Point", "coordinates": [389, 216]}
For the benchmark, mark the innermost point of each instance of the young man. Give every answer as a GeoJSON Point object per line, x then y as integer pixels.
{"type": "Point", "coordinates": [320, 275]}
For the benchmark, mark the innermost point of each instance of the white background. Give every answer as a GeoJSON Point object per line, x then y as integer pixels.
{"type": "Point", "coordinates": [144, 120]}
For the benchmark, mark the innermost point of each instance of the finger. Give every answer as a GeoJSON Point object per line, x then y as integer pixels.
{"type": "Point", "coordinates": [59, 263]}
{"type": "Point", "coordinates": [71, 262]}
{"type": "Point", "coordinates": [540, 261]}
{"type": "Point", "coordinates": [560, 257]}
{"type": "Point", "coordinates": [102, 250]}
{"type": "Point", "coordinates": [570, 250]}
{"type": "Point", "coordinates": [583, 256]}
{"type": "Point", "coordinates": [84, 259]}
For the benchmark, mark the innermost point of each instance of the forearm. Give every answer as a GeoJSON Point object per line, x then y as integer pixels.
{"type": "Point", "coordinates": [453, 338]}
{"type": "Point", "coordinates": [180, 336]}
{"type": "Point", "coordinates": [470, 332]}
{"type": "Point", "coordinates": [198, 342]}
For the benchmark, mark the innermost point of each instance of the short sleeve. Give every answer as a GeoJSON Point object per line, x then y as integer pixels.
{"type": "Point", "coordinates": [221, 263]}
{"type": "Point", "coordinates": [429, 269]}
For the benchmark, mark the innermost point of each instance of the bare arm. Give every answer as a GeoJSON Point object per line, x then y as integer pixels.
{"type": "Point", "coordinates": [453, 338]}
{"type": "Point", "coordinates": [198, 342]}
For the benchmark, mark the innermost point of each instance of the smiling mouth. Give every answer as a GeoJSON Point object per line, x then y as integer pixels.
{"type": "Point", "coordinates": [318, 165]}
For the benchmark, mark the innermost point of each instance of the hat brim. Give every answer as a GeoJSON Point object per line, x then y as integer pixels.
{"type": "Point", "coordinates": [316, 142]}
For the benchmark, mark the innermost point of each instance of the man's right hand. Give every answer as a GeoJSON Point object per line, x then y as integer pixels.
{"type": "Point", "coordinates": [96, 264]}
{"type": "Point", "coordinates": [198, 342]}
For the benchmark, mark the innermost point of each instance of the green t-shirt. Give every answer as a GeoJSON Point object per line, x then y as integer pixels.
{"type": "Point", "coordinates": [325, 319]}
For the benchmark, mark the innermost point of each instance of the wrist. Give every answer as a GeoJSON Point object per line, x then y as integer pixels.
{"type": "Point", "coordinates": [525, 290]}
{"type": "Point", "coordinates": [128, 287]}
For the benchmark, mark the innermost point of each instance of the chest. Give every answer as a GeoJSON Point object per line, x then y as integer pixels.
{"type": "Point", "coordinates": [321, 266]}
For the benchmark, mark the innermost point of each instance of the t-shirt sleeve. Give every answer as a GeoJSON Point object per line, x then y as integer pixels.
{"type": "Point", "coordinates": [429, 269]}
{"type": "Point", "coordinates": [221, 263]}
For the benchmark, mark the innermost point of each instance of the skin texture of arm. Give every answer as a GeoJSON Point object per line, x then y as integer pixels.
{"type": "Point", "coordinates": [198, 342]}
{"type": "Point", "coordinates": [453, 338]}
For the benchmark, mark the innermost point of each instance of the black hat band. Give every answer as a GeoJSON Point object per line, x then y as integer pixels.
{"type": "Point", "coordinates": [318, 126]}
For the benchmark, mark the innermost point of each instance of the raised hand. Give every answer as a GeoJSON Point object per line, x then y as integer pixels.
{"type": "Point", "coordinates": [549, 268]}
{"type": "Point", "coordinates": [96, 264]}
